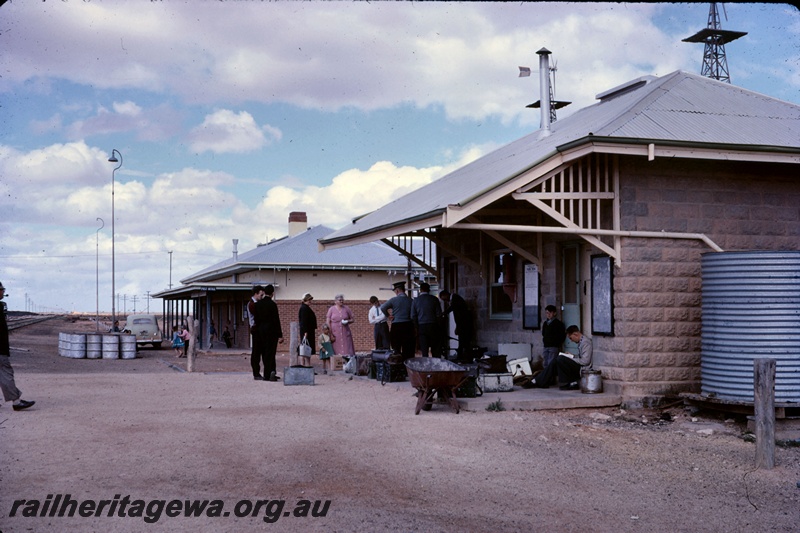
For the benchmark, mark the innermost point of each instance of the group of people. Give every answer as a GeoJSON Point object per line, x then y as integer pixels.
{"type": "Point", "coordinates": [180, 340]}
{"type": "Point", "coordinates": [419, 321]}
{"type": "Point", "coordinates": [561, 367]}
{"type": "Point", "coordinates": [401, 324]}
{"type": "Point", "coordinates": [412, 321]}
{"type": "Point", "coordinates": [335, 337]}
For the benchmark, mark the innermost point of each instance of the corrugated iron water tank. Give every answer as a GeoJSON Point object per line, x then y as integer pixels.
{"type": "Point", "coordinates": [751, 309]}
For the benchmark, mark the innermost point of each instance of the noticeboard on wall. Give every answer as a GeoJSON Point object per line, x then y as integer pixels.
{"type": "Point", "coordinates": [530, 297]}
{"type": "Point", "coordinates": [602, 295]}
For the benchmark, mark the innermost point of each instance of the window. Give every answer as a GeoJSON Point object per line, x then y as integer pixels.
{"type": "Point", "coordinates": [502, 286]}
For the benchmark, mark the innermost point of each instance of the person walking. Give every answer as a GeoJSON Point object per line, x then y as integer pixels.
{"type": "Point", "coordinates": [380, 327]}
{"type": "Point", "coordinates": [9, 387]}
{"type": "Point", "coordinates": [401, 332]}
{"type": "Point", "coordinates": [339, 318]}
{"type": "Point", "coordinates": [268, 329]}
{"type": "Point", "coordinates": [186, 336]}
{"type": "Point", "coordinates": [212, 334]}
{"type": "Point", "coordinates": [426, 314]}
{"type": "Point", "coordinates": [226, 336]}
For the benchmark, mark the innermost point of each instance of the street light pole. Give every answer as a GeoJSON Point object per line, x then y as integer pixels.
{"type": "Point", "coordinates": [97, 274]}
{"type": "Point", "coordinates": [113, 159]}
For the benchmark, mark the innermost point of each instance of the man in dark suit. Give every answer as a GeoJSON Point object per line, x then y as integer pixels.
{"type": "Point", "coordinates": [256, 350]}
{"type": "Point", "coordinates": [268, 329]}
{"type": "Point", "coordinates": [463, 317]}
{"type": "Point", "coordinates": [10, 391]}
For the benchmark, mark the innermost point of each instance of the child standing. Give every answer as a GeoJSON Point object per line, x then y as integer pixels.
{"type": "Point", "coordinates": [326, 347]}
{"type": "Point", "coordinates": [177, 341]}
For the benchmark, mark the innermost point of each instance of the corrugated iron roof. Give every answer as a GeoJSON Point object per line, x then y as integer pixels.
{"type": "Point", "coordinates": [679, 107]}
{"type": "Point", "coordinates": [301, 251]}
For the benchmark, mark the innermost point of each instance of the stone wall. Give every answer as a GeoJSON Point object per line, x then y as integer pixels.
{"type": "Point", "coordinates": [656, 349]}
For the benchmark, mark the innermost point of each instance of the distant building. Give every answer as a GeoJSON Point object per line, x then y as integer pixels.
{"type": "Point", "coordinates": [294, 266]}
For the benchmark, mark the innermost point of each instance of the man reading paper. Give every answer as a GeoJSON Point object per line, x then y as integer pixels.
{"type": "Point", "coordinates": [567, 367]}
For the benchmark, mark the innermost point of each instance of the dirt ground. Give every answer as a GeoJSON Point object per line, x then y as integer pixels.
{"type": "Point", "coordinates": [139, 432]}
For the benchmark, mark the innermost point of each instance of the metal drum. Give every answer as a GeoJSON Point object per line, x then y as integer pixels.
{"type": "Point", "coordinates": [111, 346]}
{"type": "Point", "coordinates": [127, 346]}
{"type": "Point", "coordinates": [591, 382]}
{"type": "Point", "coordinates": [62, 343]}
{"type": "Point", "coordinates": [94, 346]}
{"type": "Point", "coordinates": [751, 309]}
{"type": "Point", "coordinates": [72, 345]}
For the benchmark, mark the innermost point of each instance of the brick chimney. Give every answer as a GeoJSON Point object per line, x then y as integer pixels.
{"type": "Point", "coordinates": [298, 223]}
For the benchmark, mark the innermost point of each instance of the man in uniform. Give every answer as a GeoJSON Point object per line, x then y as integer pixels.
{"type": "Point", "coordinates": [426, 314]}
{"type": "Point", "coordinates": [10, 391]}
{"type": "Point", "coordinates": [402, 329]}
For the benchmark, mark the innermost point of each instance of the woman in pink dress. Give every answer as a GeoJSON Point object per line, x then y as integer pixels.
{"type": "Point", "coordinates": [339, 319]}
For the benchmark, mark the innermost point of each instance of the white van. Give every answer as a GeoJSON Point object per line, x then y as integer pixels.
{"type": "Point", "coordinates": [146, 329]}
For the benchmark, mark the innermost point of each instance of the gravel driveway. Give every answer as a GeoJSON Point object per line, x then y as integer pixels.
{"type": "Point", "coordinates": [151, 440]}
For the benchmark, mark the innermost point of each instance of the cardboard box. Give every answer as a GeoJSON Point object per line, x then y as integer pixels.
{"type": "Point", "coordinates": [518, 367]}
{"type": "Point", "coordinates": [338, 363]}
{"type": "Point", "coordinates": [298, 375]}
{"type": "Point", "coordinates": [496, 382]}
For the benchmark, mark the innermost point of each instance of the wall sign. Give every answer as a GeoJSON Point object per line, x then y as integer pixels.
{"type": "Point", "coordinates": [530, 297]}
{"type": "Point", "coordinates": [602, 295]}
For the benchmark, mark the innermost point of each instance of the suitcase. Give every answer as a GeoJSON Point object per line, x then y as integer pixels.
{"type": "Point", "coordinates": [390, 372]}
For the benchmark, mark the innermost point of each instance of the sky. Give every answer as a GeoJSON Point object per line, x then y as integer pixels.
{"type": "Point", "coordinates": [229, 115]}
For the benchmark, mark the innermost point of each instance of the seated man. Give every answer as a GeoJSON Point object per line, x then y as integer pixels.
{"type": "Point", "coordinates": [567, 367]}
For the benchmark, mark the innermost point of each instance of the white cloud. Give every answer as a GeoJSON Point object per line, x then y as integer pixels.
{"type": "Point", "coordinates": [50, 228]}
{"type": "Point", "coordinates": [151, 124]}
{"type": "Point", "coordinates": [127, 108]}
{"type": "Point", "coordinates": [374, 55]}
{"type": "Point", "coordinates": [225, 131]}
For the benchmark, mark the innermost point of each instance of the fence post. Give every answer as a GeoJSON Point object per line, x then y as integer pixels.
{"type": "Point", "coordinates": [764, 407]}
{"type": "Point", "coordinates": [191, 351]}
{"type": "Point", "coordinates": [294, 342]}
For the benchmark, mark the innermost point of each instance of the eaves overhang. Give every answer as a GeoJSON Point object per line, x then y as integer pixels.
{"type": "Point", "coordinates": [564, 154]}
{"type": "Point", "coordinates": [250, 267]}
{"type": "Point", "coordinates": [385, 231]}
{"type": "Point", "coordinates": [675, 148]}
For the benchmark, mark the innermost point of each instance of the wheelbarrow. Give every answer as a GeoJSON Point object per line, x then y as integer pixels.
{"type": "Point", "coordinates": [430, 376]}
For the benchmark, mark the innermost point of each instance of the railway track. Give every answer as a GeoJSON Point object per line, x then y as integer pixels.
{"type": "Point", "coordinates": [20, 321]}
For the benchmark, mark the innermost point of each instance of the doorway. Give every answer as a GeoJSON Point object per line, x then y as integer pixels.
{"type": "Point", "coordinates": [571, 290]}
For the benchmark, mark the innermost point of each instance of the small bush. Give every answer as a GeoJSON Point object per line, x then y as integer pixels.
{"type": "Point", "coordinates": [496, 406]}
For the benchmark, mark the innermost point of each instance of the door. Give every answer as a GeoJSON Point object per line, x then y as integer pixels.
{"type": "Point", "coordinates": [571, 293]}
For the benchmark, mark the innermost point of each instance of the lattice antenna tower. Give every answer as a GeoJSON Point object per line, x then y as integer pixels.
{"type": "Point", "coordinates": [715, 63]}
